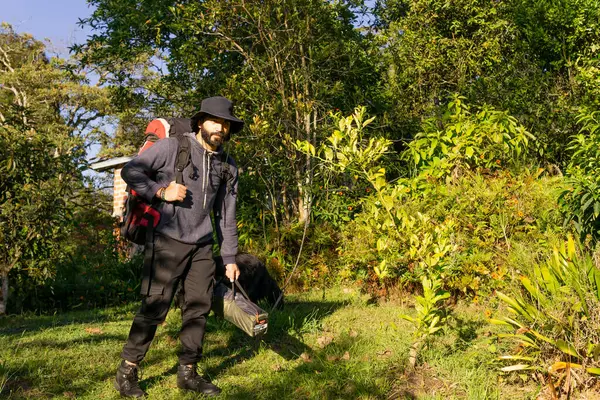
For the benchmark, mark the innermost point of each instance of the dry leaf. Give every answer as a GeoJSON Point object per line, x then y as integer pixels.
{"type": "Point", "coordinates": [353, 333]}
{"type": "Point", "coordinates": [332, 358]}
{"type": "Point", "coordinates": [94, 331]}
{"type": "Point", "coordinates": [385, 353]}
{"type": "Point", "coordinates": [276, 368]}
{"type": "Point", "coordinates": [346, 356]}
{"type": "Point", "coordinates": [170, 340]}
{"type": "Point", "coordinates": [305, 357]}
{"type": "Point", "coordinates": [69, 395]}
{"type": "Point", "coordinates": [324, 341]}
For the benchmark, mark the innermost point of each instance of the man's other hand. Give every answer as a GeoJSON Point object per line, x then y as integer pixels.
{"type": "Point", "coordinates": [175, 192]}
{"type": "Point", "coordinates": [232, 272]}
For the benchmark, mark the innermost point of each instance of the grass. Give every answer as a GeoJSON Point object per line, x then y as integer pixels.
{"type": "Point", "coordinates": [323, 345]}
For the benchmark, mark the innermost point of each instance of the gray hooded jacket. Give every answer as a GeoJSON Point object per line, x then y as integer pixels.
{"type": "Point", "coordinates": [211, 185]}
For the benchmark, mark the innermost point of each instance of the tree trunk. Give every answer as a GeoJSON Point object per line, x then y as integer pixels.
{"type": "Point", "coordinates": [302, 210]}
{"type": "Point", "coordinates": [305, 196]}
{"type": "Point", "coordinates": [4, 292]}
{"type": "Point", "coordinates": [286, 207]}
{"type": "Point", "coordinates": [413, 353]}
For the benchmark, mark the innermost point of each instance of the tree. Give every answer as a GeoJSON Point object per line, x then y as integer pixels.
{"type": "Point", "coordinates": [535, 59]}
{"type": "Point", "coordinates": [286, 63]}
{"type": "Point", "coordinates": [46, 119]}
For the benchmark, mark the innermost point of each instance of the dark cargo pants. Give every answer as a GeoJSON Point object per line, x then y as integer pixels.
{"type": "Point", "coordinates": [173, 262]}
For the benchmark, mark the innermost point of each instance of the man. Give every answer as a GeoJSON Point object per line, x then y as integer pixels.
{"type": "Point", "coordinates": [183, 239]}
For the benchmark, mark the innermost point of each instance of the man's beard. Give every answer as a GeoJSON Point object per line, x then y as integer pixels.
{"type": "Point", "coordinates": [214, 139]}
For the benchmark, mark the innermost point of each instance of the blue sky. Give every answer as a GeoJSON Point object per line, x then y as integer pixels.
{"type": "Point", "coordinates": [55, 20]}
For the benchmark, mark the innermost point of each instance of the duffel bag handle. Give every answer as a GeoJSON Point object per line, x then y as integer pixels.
{"type": "Point", "coordinates": [233, 287]}
{"type": "Point", "coordinates": [237, 283]}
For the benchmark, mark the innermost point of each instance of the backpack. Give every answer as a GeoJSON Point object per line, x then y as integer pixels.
{"type": "Point", "coordinates": [140, 218]}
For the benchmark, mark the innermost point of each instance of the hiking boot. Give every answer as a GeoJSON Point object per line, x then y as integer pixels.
{"type": "Point", "coordinates": [188, 378]}
{"type": "Point", "coordinates": [126, 381]}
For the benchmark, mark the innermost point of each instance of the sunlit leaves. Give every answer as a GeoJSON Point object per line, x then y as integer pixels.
{"type": "Point", "coordinates": [462, 140]}
{"type": "Point", "coordinates": [553, 317]}
{"type": "Point", "coordinates": [580, 199]}
{"type": "Point", "coordinates": [430, 314]}
{"type": "Point", "coordinates": [45, 113]}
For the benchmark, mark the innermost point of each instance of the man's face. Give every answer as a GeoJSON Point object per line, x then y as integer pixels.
{"type": "Point", "coordinates": [214, 131]}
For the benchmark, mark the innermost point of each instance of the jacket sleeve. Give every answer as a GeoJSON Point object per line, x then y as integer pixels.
{"type": "Point", "coordinates": [225, 214]}
{"type": "Point", "coordinates": [140, 172]}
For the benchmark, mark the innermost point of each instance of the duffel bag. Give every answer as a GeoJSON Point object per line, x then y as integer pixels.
{"type": "Point", "coordinates": [234, 306]}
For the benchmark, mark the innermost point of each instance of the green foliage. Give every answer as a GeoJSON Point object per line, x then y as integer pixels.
{"type": "Point", "coordinates": [411, 227]}
{"type": "Point", "coordinates": [469, 231]}
{"type": "Point", "coordinates": [461, 140]}
{"type": "Point", "coordinates": [588, 78]}
{"type": "Point", "coordinates": [86, 280]}
{"type": "Point", "coordinates": [462, 231]}
{"type": "Point", "coordinates": [580, 200]}
{"type": "Point", "coordinates": [556, 316]}
{"type": "Point", "coordinates": [537, 59]}
{"type": "Point", "coordinates": [431, 316]}
{"type": "Point", "coordinates": [347, 149]}
{"type": "Point", "coordinates": [558, 32]}
{"type": "Point", "coordinates": [435, 48]}
{"type": "Point", "coordinates": [45, 121]}
{"type": "Point", "coordinates": [336, 206]}
{"type": "Point", "coordinates": [284, 63]}
{"type": "Point", "coordinates": [586, 154]}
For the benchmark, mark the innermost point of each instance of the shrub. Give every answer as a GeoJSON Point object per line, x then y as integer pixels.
{"type": "Point", "coordinates": [580, 200]}
{"type": "Point", "coordinates": [95, 275]}
{"type": "Point", "coordinates": [556, 319]}
{"type": "Point", "coordinates": [462, 140]}
{"type": "Point", "coordinates": [467, 231]}
{"type": "Point", "coordinates": [462, 229]}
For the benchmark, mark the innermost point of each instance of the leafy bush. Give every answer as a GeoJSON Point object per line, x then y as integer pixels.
{"type": "Point", "coordinates": [468, 231]}
{"type": "Point", "coordinates": [463, 230]}
{"type": "Point", "coordinates": [430, 318]}
{"type": "Point", "coordinates": [460, 140]}
{"type": "Point", "coordinates": [556, 319]}
{"type": "Point", "coordinates": [580, 200]}
{"type": "Point", "coordinates": [95, 274]}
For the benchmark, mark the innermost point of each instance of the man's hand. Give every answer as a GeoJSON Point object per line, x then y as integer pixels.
{"type": "Point", "coordinates": [175, 192]}
{"type": "Point", "coordinates": [232, 272]}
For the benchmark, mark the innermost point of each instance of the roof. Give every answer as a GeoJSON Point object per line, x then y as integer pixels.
{"type": "Point", "coordinates": [110, 163]}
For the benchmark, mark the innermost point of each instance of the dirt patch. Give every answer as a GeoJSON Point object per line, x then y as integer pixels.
{"type": "Point", "coordinates": [421, 382]}
{"type": "Point", "coordinates": [587, 394]}
{"type": "Point", "coordinates": [12, 386]}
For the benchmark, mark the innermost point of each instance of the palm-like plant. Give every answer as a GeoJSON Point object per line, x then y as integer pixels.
{"type": "Point", "coordinates": [556, 317]}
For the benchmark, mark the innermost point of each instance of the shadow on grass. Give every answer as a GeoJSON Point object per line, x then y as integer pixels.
{"type": "Point", "coordinates": [465, 330]}
{"type": "Point", "coordinates": [24, 381]}
{"type": "Point", "coordinates": [285, 328]}
{"type": "Point", "coordinates": [322, 374]}
{"type": "Point", "coordinates": [30, 324]}
{"type": "Point", "coordinates": [319, 374]}
{"type": "Point", "coordinates": [69, 344]}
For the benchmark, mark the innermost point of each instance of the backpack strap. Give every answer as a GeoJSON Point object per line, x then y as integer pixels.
{"type": "Point", "coordinates": [183, 157]}
{"type": "Point", "coordinates": [181, 161]}
{"type": "Point", "coordinates": [148, 270]}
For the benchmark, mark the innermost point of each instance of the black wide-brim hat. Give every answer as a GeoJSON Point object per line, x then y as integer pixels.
{"type": "Point", "coordinates": [218, 107]}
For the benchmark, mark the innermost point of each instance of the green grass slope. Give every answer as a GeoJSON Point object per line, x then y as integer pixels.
{"type": "Point", "coordinates": [332, 344]}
